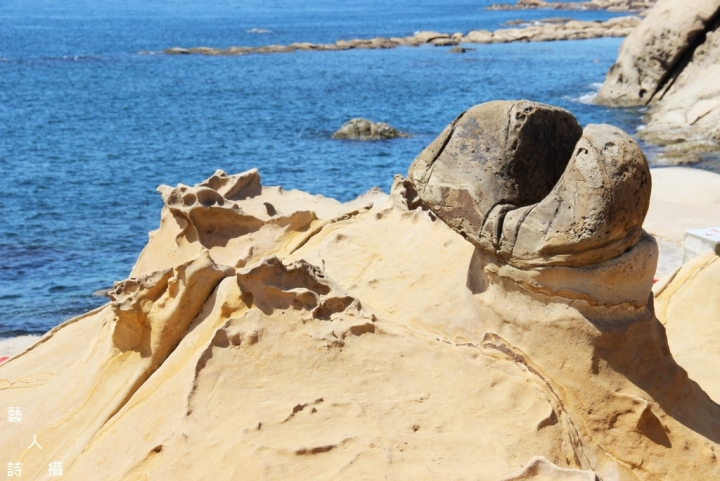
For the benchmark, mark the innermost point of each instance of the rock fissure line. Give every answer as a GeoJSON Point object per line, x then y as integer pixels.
{"type": "Point", "coordinates": [492, 341]}
{"type": "Point", "coordinates": [441, 149]}
{"type": "Point", "coordinates": [672, 72]}
{"type": "Point", "coordinates": [517, 230]}
{"type": "Point", "coordinates": [322, 226]}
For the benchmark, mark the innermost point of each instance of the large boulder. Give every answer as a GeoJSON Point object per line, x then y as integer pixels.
{"type": "Point", "coordinates": [523, 181]}
{"type": "Point", "coordinates": [687, 119]}
{"type": "Point", "coordinates": [364, 129]}
{"type": "Point", "coordinates": [653, 55]}
{"type": "Point", "coordinates": [672, 61]}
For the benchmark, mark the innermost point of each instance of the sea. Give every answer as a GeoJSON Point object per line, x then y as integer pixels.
{"type": "Point", "coordinates": [89, 127]}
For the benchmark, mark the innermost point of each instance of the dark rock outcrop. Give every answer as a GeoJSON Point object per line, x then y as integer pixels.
{"type": "Point", "coordinates": [363, 129]}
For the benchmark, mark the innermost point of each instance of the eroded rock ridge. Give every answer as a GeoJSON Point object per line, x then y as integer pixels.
{"type": "Point", "coordinates": [491, 318]}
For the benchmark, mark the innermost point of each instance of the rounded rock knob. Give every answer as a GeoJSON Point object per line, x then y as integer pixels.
{"type": "Point", "coordinates": [522, 181]}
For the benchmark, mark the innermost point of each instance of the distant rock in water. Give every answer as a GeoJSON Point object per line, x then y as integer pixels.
{"type": "Point", "coordinates": [364, 129]}
{"type": "Point", "coordinates": [537, 31]}
{"type": "Point", "coordinates": [609, 5]}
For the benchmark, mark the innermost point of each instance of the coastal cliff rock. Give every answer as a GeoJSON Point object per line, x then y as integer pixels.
{"type": "Point", "coordinates": [659, 49]}
{"type": "Point", "coordinates": [672, 61]}
{"type": "Point", "coordinates": [687, 118]}
{"type": "Point", "coordinates": [364, 129]}
{"type": "Point", "coordinates": [270, 334]}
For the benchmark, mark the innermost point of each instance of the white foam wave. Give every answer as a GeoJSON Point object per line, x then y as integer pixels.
{"type": "Point", "coordinates": [589, 97]}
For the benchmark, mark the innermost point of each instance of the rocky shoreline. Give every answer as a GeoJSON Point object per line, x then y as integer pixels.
{"type": "Point", "coordinates": [541, 31]}
{"type": "Point", "coordinates": [609, 5]}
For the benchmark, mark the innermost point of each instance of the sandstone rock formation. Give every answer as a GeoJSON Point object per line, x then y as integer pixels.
{"type": "Point", "coordinates": [573, 198]}
{"type": "Point", "coordinates": [688, 303]}
{"type": "Point", "coordinates": [364, 129]}
{"type": "Point", "coordinates": [492, 215]}
{"type": "Point", "coordinates": [542, 31]}
{"type": "Point", "coordinates": [682, 199]}
{"type": "Point", "coordinates": [672, 61]}
{"type": "Point", "coordinates": [270, 334]}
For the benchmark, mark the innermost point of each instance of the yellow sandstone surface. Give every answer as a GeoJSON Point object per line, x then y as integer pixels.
{"type": "Point", "coordinates": [682, 199]}
{"type": "Point", "coordinates": [688, 303]}
{"type": "Point", "coordinates": [271, 334]}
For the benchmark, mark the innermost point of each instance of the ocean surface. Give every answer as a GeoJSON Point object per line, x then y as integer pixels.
{"type": "Point", "coordinates": [90, 128]}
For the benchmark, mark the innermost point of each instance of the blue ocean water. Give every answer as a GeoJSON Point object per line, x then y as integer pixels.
{"type": "Point", "coordinates": [90, 128]}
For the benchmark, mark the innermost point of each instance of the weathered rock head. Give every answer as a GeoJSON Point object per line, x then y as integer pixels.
{"type": "Point", "coordinates": [526, 184]}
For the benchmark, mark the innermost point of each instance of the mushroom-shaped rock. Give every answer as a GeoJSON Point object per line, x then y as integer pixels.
{"type": "Point", "coordinates": [522, 181]}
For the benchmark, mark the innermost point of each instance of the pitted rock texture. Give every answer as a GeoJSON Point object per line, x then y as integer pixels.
{"type": "Point", "coordinates": [236, 219]}
{"type": "Point", "coordinates": [523, 181]}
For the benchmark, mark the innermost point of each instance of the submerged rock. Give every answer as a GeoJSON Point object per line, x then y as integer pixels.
{"type": "Point", "coordinates": [363, 129]}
